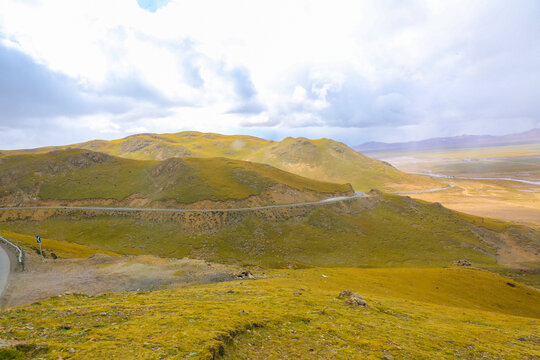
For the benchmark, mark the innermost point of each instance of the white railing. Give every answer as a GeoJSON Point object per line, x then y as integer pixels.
{"type": "Point", "coordinates": [19, 250]}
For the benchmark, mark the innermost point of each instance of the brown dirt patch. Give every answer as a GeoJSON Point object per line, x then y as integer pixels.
{"type": "Point", "coordinates": [102, 274]}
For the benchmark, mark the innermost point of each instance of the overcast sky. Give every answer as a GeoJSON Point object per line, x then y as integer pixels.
{"type": "Point", "coordinates": [354, 70]}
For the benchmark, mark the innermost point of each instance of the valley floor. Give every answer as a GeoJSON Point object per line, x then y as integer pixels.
{"type": "Point", "coordinates": [513, 201]}
{"type": "Point", "coordinates": [504, 200]}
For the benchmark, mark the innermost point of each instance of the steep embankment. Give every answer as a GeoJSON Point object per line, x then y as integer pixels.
{"type": "Point", "coordinates": [321, 159]}
{"type": "Point", "coordinates": [86, 177]}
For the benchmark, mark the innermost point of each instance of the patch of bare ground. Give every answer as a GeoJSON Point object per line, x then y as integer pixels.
{"type": "Point", "coordinates": [101, 274]}
{"type": "Point", "coordinates": [514, 255]}
{"type": "Point", "coordinates": [514, 251]}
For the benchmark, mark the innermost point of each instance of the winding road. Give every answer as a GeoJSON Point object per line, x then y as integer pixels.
{"type": "Point", "coordinates": [4, 259]}
{"type": "Point", "coordinates": [320, 202]}
{"type": "Point", "coordinates": [4, 270]}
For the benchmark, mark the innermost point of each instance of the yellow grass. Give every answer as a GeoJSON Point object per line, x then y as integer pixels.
{"type": "Point", "coordinates": [60, 248]}
{"type": "Point", "coordinates": [412, 314]}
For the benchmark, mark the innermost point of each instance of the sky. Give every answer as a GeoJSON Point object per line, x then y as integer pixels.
{"type": "Point", "coordinates": [354, 71]}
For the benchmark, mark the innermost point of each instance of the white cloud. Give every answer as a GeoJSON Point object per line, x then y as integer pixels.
{"type": "Point", "coordinates": [430, 64]}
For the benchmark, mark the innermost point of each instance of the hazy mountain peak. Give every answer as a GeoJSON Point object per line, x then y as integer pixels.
{"type": "Point", "coordinates": [528, 137]}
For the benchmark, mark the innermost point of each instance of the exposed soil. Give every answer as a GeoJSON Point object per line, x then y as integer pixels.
{"type": "Point", "coordinates": [102, 274]}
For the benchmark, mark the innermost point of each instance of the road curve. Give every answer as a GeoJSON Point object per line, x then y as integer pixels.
{"type": "Point", "coordinates": [4, 270]}
{"type": "Point", "coordinates": [320, 202]}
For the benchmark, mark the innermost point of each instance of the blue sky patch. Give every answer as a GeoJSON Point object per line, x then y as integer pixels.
{"type": "Point", "coordinates": [152, 5]}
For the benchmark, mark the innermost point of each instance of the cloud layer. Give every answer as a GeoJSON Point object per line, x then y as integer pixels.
{"type": "Point", "coordinates": [352, 70]}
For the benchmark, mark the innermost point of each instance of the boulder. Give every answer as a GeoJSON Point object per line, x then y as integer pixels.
{"type": "Point", "coordinates": [461, 262]}
{"type": "Point", "coordinates": [245, 275]}
{"type": "Point", "coordinates": [352, 298]}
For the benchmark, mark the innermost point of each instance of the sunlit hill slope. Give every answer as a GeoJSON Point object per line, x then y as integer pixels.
{"type": "Point", "coordinates": [87, 177]}
{"type": "Point", "coordinates": [411, 314]}
{"type": "Point", "coordinates": [322, 159]}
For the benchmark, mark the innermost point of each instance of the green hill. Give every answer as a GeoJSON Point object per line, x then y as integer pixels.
{"type": "Point", "coordinates": [82, 175]}
{"type": "Point", "coordinates": [322, 159]}
{"type": "Point", "coordinates": [327, 159]}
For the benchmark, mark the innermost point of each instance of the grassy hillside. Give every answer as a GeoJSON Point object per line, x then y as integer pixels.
{"type": "Point", "coordinates": [380, 231]}
{"type": "Point", "coordinates": [321, 159]}
{"type": "Point", "coordinates": [83, 174]}
{"type": "Point", "coordinates": [62, 249]}
{"type": "Point", "coordinates": [164, 146]}
{"type": "Point", "coordinates": [411, 314]}
{"type": "Point", "coordinates": [327, 159]}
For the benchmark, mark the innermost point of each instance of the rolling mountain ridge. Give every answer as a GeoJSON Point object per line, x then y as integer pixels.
{"type": "Point", "coordinates": [90, 177]}
{"type": "Point", "coordinates": [322, 159]}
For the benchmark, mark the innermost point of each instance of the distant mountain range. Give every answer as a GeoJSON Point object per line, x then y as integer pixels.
{"type": "Point", "coordinates": [464, 141]}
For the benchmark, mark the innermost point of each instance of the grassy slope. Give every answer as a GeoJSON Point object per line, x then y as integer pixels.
{"type": "Point", "coordinates": [412, 314]}
{"type": "Point", "coordinates": [327, 159]}
{"type": "Point", "coordinates": [164, 146]}
{"type": "Point", "coordinates": [322, 159]}
{"type": "Point", "coordinates": [60, 248]}
{"type": "Point", "coordinates": [80, 174]}
{"type": "Point", "coordinates": [396, 231]}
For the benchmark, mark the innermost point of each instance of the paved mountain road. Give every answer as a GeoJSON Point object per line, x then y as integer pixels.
{"type": "Point", "coordinates": [4, 259]}
{"type": "Point", "coordinates": [320, 202]}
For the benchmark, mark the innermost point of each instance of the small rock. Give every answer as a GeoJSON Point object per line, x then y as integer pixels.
{"type": "Point", "coordinates": [461, 262]}
{"type": "Point", "coordinates": [245, 275]}
{"type": "Point", "coordinates": [352, 298]}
